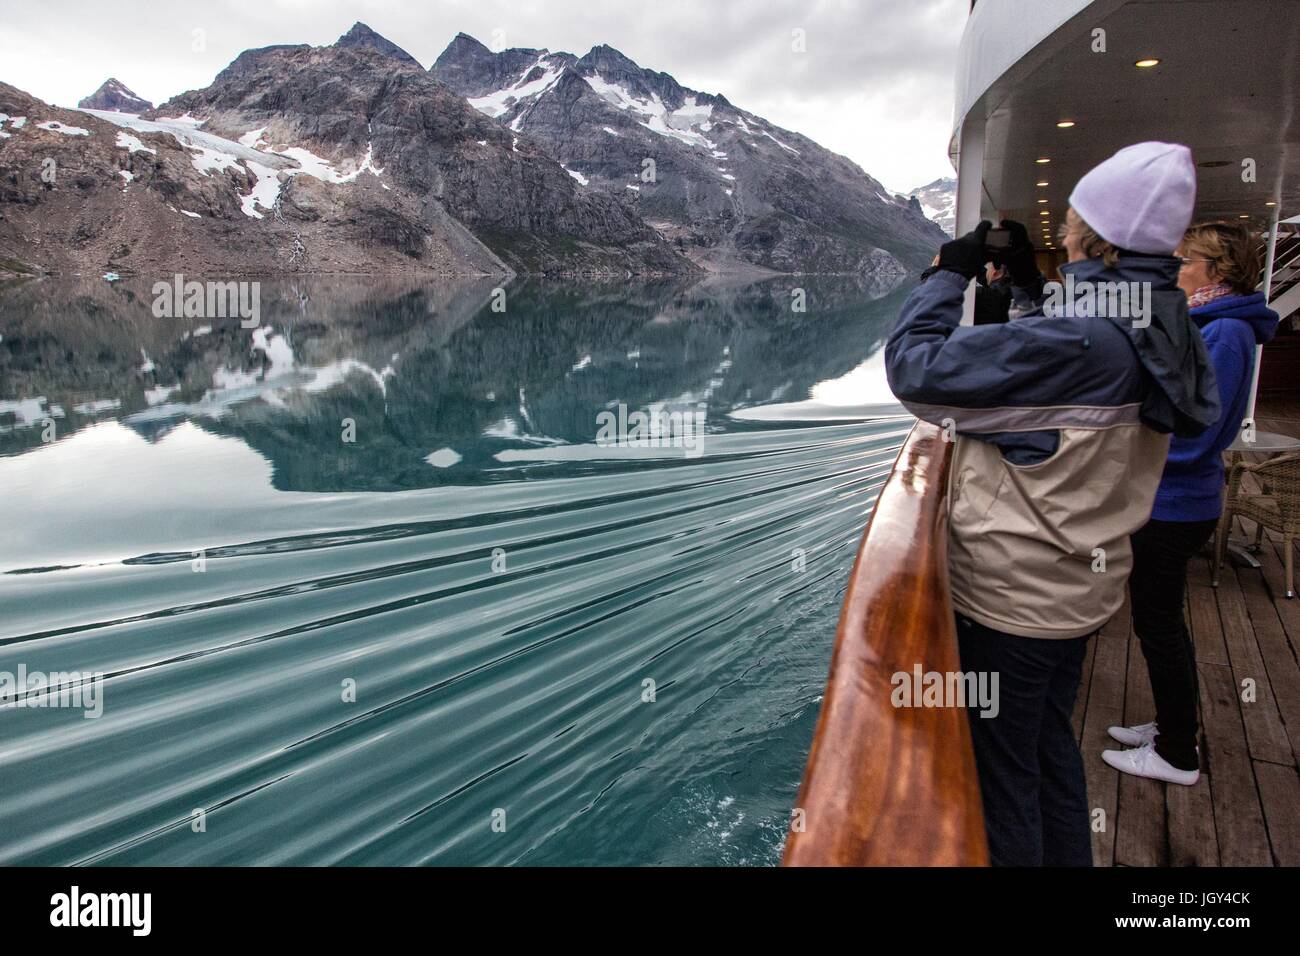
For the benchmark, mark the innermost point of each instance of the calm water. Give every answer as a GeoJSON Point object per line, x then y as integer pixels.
{"type": "Point", "coordinates": [498, 586]}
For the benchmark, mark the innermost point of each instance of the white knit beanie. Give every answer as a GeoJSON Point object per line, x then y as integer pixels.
{"type": "Point", "coordinates": [1141, 198]}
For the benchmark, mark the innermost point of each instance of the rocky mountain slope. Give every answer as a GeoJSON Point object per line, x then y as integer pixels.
{"type": "Point", "coordinates": [353, 158]}
{"type": "Point", "coordinates": [114, 95]}
{"type": "Point", "coordinates": [301, 159]}
{"type": "Point", "coordinates": [81, 193]}
{"type": "Point", "coordinates": [730, 189]}
{"type": "Point", "coordinates": [347, 102]}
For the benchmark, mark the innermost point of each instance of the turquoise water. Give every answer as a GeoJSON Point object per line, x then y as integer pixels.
{"type": "Point", "coordinates": [472, 634]}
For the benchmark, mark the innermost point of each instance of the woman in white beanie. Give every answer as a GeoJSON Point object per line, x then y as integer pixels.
{"type": "Point", "coordinates": [1063, 420]}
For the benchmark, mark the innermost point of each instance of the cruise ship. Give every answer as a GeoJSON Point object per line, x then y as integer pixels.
{"type": "Point", "coordinates": [1046, 89]}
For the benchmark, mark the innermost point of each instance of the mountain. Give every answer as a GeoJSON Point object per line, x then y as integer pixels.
{"type": "Point", "coordinates": [731, 190]}
{"type": "Point", "coordinates": [353, 158]}
{"type": "Point", "coordinates": [96, 191]}
{"type": "Point", "coordinates": [939, 202]}
{"type": "Point", "coordinates": [362, 36]}
{"type": "Point", "coordinates": [114, 95]}
{"type": "Point", "coordinates": [298, 159]}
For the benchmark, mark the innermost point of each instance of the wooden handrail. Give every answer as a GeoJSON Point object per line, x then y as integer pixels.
{"type": "Point", "coordinates": [886, 785]}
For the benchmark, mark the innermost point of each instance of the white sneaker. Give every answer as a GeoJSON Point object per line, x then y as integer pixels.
{"type": "Point", "coordinates": [1145, 762]}
{"type": "Point", "coordinates": [1134, 736]}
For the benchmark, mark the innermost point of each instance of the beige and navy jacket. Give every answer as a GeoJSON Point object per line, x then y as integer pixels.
{"type": "Point", "coordinates": [1062, 427]}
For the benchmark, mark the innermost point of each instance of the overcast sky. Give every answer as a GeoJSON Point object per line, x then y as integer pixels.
{"type": "Point", "coordinates": [875, 82]}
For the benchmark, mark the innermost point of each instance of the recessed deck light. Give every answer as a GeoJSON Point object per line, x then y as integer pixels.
{"type": "Point", "coordinates": [1044, 213]}
{"type": "Point", "coordinates": [1270, 204]}
{"type": "Point", "coordinates": [1042, 161]}
{"type": "Point", "coordinates": [1147, 62]}
{"type": "Point", "coordinates": [1042, 182]}
{"type": "Point", "coordinates": [1043, 200]}
{"type": "Point", "coordinates": [1065, 124]}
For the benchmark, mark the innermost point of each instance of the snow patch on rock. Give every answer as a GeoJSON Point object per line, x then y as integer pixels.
{"type": "Point", "coordinates": [133, 144]}
{"type": "Point", "coordinates": [686, 123]}
{"type": "Point", "coordinates": [57, 127]}
{"type": "Point", "coordinates": [501, 101]}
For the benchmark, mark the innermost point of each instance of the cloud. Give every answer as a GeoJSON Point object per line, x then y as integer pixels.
{"type": "Point", "coordinates": [873, 81]}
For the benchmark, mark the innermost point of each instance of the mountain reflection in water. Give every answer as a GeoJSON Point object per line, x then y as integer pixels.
{"type": "Point", "coordinates": [622, 648]}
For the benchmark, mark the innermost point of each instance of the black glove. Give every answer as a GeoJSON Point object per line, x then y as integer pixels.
{"type": "Point", "coordinates": [966, 256]}
{"type": "Point", "coordinates": [1018, 257]}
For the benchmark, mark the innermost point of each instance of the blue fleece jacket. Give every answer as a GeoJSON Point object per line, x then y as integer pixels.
{"type": "Point", "coordinates": [1192, 486]}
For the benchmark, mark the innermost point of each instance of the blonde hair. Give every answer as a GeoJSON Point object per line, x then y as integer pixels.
{"type": "Point", "coordinates": [1232, 251]}
{"type": "Point", "coordinates": [1092, 244]}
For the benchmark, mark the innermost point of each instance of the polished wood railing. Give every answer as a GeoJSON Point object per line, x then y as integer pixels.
{"type": "Point", "coordinates": [886, 785]}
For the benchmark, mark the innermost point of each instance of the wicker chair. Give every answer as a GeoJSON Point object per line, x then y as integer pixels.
{"type": "Point", "coordinates": [1275, 506]}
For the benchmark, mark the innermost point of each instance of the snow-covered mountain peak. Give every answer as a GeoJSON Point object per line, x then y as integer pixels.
{"type": "Point", "coordinates": [726, 186]}
{"type": "Point", "coordinates": [939, 202]}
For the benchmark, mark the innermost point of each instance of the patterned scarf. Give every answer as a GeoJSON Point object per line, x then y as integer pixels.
{"type": "Point", "coordinates": [1208, 293]}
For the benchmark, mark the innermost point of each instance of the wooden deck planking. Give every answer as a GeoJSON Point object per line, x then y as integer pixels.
{"type": "Point", "coordinates": [1238, 817]}
{"type": "Point", "coordinates": [1277, 657]}
{"type": "Point", "coordinates": [1264, 731]}
{"type": "Point", "coordinates": [1279, 791]}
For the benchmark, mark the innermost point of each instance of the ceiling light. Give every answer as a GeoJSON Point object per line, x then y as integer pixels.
{"type": "Point", "coordinates": [1042, 161]}
{"type": "Point", "coordinates": [1042, 200]}
{"type": "Point", "coordinates": [1044, 213]}
{"type": "Point", "coordinates": [1146, 63]}
{"type": "Point", "coordinates": [1270, 204]}
{"type": "Point", "coordinates": [1042, 182]}
{"type": "Point", "coordinates": [1065, 124]}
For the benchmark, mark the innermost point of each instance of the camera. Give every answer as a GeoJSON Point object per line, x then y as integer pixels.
{"type": "Point", "coordinates": [997, 241]}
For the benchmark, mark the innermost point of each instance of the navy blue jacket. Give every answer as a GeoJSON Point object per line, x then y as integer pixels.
{"type": "Point", "coordinates": [1192, 486]}
{"type": "Point", "coordinates": [1014, 385]}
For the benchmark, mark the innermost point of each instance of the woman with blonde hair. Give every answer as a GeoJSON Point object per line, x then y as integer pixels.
{"type": "Point", "coordinates": [1220, 271]}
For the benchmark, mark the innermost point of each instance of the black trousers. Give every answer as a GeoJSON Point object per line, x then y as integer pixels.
{"type": "Point", "coordinates": [1157, 588]}
{"type": "Point", "coordinates": [1031, 771]}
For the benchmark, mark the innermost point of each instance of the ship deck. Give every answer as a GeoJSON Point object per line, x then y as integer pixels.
{"type": "Point", "coordinates": [1242, 812]}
